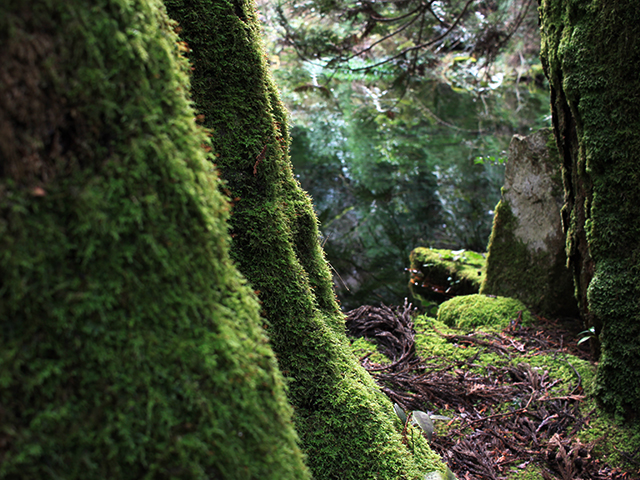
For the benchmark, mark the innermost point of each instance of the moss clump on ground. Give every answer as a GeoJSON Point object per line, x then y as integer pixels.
{"type": "Point", "coordinates": [347, 426]}
{"type": "Point", "coordinates": [591, 54]}
{"type": "Point", "coordinates": [471, 311]}
{"type": "Point", "coordinates": [431, 341]}
{"type": "Point", "coordinates": [437, 274]}
{"type": "Point", "coordinates": [130, 347]}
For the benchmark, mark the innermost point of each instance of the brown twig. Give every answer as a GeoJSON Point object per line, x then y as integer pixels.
{"type": "Point", "coordinates": [260, 157]}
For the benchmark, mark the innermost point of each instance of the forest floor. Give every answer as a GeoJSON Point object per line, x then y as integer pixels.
{"type": "Point", "coordinates": [516, 399]}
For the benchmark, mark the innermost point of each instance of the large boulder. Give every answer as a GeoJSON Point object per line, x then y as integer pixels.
{"type": "Point", "coordinates": [526, 255]}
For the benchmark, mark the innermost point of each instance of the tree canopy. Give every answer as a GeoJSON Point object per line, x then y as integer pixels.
{"type": "Point", "coordinates": [406, 37]}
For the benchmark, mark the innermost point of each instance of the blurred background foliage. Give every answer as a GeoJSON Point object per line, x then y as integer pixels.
{"type": "Point", "coordinates": [401, 116]}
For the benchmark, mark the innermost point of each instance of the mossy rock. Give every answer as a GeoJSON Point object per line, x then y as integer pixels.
{"type": "Point", "coordinates": [471, 311]}
{"type": "Point", "coordinates": [438, 274]}
{"type": "Point", "coordinates": [526, 253]}
{"type": "Point", "coordinates": [130, 347]}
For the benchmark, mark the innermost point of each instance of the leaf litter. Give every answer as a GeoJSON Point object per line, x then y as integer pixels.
{"type": "Point", "coordinates": [505, 416]}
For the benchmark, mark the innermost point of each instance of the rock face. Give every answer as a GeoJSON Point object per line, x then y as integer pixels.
{"type": "Point", "coordinates": [526, 255]}
{"type": "Point", "coordinates": [533, 189]}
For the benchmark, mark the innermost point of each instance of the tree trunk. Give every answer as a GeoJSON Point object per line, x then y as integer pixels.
{"type": "Point", "coordinates": [591, 54]}
{"type": "Point", "coordinates": [130, 347]}
{"type": "Point", "coordinates": [348, 427]}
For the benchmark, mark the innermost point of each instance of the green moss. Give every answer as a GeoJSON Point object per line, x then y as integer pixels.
{"type": "Point", "coordinates": [529, 472]}
{"type": "Point", "coordinates": [430, 340]}
{"type": "Point", "coordinates": [361, 347]}
{"type": "Point", "coordinates": [346, 424]}
{"type": "Point", "coordinates": [591, 53]}
{"type": "Point", "coordinates": [615, 441]}
{"type": "Point", "coordinates": [471, 311]}
{"type": "Point", "coordinates": [572, 370]}
{"type": "Point", "coordinates": [130, 347]}
{"type": "Point", "coordinates": [438, 274]}
{"type": "Point", "coordinates": [618, 375]}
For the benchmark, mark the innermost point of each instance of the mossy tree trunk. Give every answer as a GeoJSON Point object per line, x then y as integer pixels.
{"type": "Point", "coordinates": [130, 347]}
{"type": "Point", "coordinates": [348, 427]}
{"type": "Point", "coordinates": [591, 54]}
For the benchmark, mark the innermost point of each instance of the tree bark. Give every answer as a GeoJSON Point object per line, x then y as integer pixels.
{"type": "Point", "coordinates": [347, 426]}
{"type": "Point", "coordinates": [591, 53]}
{"type": "Point", "coordinates": [130, 346]}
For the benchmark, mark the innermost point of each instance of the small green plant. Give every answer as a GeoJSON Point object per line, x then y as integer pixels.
{"type": "Point", "coordinates": [587, 334]}
{"type": "Point", "coordinates": [400, 412]}
{"type": "Point", "coordinates": [424, 422]}
{"type": "Point", "coordinates": [481, 160]}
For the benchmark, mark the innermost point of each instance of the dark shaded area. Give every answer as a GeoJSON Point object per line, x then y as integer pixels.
{"type": "Point", "coordinates": [433, 283]}
{"type": "Point", "coordinates": [506, 416]}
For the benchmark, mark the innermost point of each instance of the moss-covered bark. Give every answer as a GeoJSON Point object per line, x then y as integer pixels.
{"type": "Point", "coordinates": [591, 54]}
{"type": "Point", "coordinates": [347, 426]}
{"type": "Point", "coordinates": [130, 347]}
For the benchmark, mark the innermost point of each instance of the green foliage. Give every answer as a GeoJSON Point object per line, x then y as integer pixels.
{"type": "Point", "coordinates": [345, 423]}
{"type": "Point", "coordinates": [591, 54]}
{"type": "Point", "coordinates": [471, 311]}
{"type": "Point", "coordinates": [424, 422]}
{"type": "Point", "coordinates": [383, 186]}
{"type": "Point", "coordinates": [403, 39]}
{"type": "Point", "coordinates": [130, 347]}
{"type": "Point", "coordinates": [401, 413]}
{"type": "Point", "coordinates": [389, 157]}
{"type": "Point", "coordinates": [587, 335]}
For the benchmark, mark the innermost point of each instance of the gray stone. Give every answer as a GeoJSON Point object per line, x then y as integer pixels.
{"type": "Point", "coordinates": [533, 189]}
{"type": "Point", "coordinates": [526, 255]}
